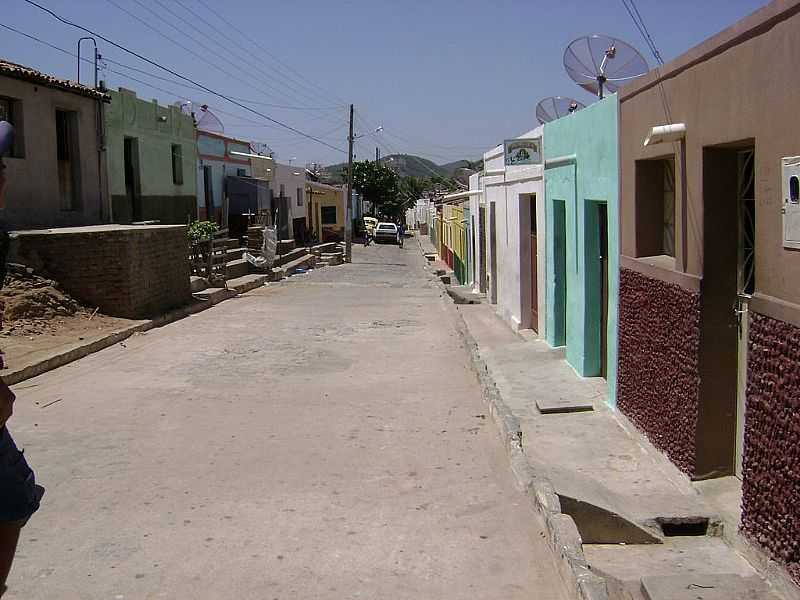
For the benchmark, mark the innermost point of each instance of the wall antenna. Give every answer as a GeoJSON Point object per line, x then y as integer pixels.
{"type": "Point", "coordinates": [555, 107]}
{"type": "Point", "coordinates": [599, 63]}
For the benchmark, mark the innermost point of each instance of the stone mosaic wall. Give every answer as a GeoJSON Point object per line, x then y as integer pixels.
{"type": "Point", "coordinates": [659, 381]}
{"type": "Point", "coordinates": [771, 482]}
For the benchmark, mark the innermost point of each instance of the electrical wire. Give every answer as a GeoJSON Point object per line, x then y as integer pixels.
{"type": "Point", "coordinates": [299, 79]}
{"type": "Point", "coordinates": [247, 53]}
{"type": "Point", "coordinates": [199, 43]}
{"type": "Point", "coordinates": [176, 74]}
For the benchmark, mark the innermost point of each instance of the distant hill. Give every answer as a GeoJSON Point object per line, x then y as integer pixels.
{"type": "Point", "coordinates": [408, 165]}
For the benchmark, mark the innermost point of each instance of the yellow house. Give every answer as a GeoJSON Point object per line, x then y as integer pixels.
{"type": "Point", "coordinates": [325, 211]}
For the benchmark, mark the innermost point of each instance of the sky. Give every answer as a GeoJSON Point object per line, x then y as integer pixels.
{"type": "Point", "coordinates": [445, 79]}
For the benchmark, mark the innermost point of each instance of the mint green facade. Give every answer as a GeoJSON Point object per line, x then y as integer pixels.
{"type": "Point", "coordinates": [144, 184]}
{"type": "Point", "coordinates": [581, 185]}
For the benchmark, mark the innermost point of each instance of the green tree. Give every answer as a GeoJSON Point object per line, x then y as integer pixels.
{"type": "Point", "coordinates": [378, 184]}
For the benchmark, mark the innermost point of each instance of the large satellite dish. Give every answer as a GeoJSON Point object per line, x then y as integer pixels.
{"type": "Point", "coordinates": [555, 107]}
{"type": "Point", "coordinates": [599, 63]}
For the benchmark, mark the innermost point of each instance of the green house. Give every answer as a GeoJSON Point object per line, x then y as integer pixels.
{"type": "Point", "coordinates": [152, 161]}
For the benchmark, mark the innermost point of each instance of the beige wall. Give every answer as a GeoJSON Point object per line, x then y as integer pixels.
{"type": "Point", "coordinates": [32, 194]}
{"type": "Point", "coordinates": [325, 195]}
{"type": "Point", "coordinates": [740, 86]}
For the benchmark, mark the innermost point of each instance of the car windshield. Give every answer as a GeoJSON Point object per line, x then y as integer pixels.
{"type": "Point", "coordinates": [388, 227]}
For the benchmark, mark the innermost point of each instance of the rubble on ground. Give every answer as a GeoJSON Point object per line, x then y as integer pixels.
{"type": "Point", "coordinates": [35, 304]}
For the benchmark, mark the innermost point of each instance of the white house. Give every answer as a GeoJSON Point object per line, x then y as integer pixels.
{"type": "Point", "coordinates": [509, 228]}
{"type": "Point", "coordinates": [289, 195]}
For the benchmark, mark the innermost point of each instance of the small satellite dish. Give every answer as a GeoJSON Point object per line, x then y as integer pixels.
{"type": "Point", "coordinates": [555, 107]}
{"type": "Point", "coordinates": [600, 63]}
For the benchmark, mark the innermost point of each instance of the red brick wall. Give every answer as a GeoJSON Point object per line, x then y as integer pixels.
{"type": "Point", "coordinates": [133, 272]}
{"type": "Point", "coordinates": [771, 482]}
{"type": "Point", "coordinates": [658, 377]}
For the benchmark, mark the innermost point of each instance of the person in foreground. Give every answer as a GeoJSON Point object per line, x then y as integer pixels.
{"type": "Point", "coordinates": [19, 494]}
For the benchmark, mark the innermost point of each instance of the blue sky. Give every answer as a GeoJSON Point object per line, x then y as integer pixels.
{"type": "Point", "coordinates": [446, 79]}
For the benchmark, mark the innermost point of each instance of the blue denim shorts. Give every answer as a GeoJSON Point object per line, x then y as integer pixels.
{"type": "Point", "coordinates": [19, 494]}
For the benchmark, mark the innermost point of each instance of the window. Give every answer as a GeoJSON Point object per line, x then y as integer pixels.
{"type": "Point", "coordinates": [241, 172]}
{"type": "Point", "coordinates": [68, 159]}
{"type": "Point", "coordinates": [177, 164]}
{"type": "Point", "coordinates": [299, 196]}
{"type": "Point", "coordinates": [655, 207]}
{"type": "Point", "coordinates": [11, 111]}
{"type": "Point", "coordinates": [328, 215]}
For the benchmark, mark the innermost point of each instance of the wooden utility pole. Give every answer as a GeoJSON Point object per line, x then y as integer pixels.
{"type": "Point", "coordinates": [377, 154]}
{"type": "Point", "coordinates": [348, 221]}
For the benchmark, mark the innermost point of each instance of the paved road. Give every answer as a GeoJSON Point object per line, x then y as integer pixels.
{"type": "Point", "coordinates": [319, 438]}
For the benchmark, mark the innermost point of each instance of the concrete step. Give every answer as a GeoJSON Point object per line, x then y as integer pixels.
{"type": "Point", "coordinates": [247, 282]}
{"type": "Point", "coordinates": [323, 248]}
{"type": "Point", "coordinates": [237, 268]}
{"type": "Point", "coordinates": [462, 294]}
{"type": "Point", "coordinates": [307, 261]}
{"type": "Point", "coordinates": [232, 243]}
{"type": "Point", "coordinates": [289, 256]}
{"type": "Point", "coordinates": [198, 284]}
{"type": "Point", "coordinates": [692, 559]}
{"type": "Point", "coordinates": [705, 587]}
{"type": "Point", "coordinates": [285, 246]}
{"type": "Point", "coordinates": [214, 295]}
{"type": "Point", "coordinates": [234, 253]}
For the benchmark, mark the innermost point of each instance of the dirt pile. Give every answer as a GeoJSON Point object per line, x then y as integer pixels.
{"type": "Point", "coordinates": [34, 304]}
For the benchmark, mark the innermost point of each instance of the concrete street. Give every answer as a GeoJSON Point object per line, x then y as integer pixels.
{"type": "Point", "coordinates": [319, 438]}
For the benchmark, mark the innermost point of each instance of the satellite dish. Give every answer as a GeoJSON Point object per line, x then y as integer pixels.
{"type": "Point", "coordinates": [205, 120]}
{"type": "Point", "coordinates": [555, 107]}
{"type": "Point", "coordinates": [208, 121]}
{"type": "Point", "coordinates": [600, 63]}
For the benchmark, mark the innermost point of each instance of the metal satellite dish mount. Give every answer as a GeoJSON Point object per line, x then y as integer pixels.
{"type": "Point", "coordinates": [600, 63]}
{"type": "Point", "coordinates": [555, 107]}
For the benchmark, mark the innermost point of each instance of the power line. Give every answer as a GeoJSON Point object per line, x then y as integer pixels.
{"type": "Point", "coordinates": [250, 122]}
{"type": "Point", "coordinates": [236, 43]}
{"type": "Point", "coordinates": [311, 85]}
{"type": "Point", "coordinates": [222, 69]}
{"type": "Point", "coordinates": [176, 74]}
{"type": "Point", "coordinates": [193, 39]}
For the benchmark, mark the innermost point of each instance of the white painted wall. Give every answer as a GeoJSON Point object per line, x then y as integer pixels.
{"type": "Point", "coordinates": [509, 188]}
{"type": "Point", "coordinates": [292, 177]}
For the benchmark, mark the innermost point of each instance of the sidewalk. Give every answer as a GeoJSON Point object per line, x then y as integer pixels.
{"type": "Point", "coordinates": [645, 527]}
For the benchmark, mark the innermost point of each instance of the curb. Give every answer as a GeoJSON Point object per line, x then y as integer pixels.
{"type": "Point", "coordinates": [563, 535]}
{"type": "Point", "coordinates": [77, 351]}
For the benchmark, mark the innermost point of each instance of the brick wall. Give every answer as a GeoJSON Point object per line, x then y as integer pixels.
{"type": "Point", "coordinates": [133, 272]}
{"type": "Point", "coordinates": [658, 362]}
{"type": "Point", "coordinates": [771, 482]}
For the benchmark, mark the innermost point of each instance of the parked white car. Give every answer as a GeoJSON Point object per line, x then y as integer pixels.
{"type": "Point", "coordinates": [387, 232]}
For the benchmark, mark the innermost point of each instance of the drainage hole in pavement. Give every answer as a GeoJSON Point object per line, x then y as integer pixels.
{"type": "Point", "coordinates": [683, 526]}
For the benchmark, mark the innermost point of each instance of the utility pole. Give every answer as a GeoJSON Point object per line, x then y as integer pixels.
{"type": "Point", "coordinates": [377, 154]}
{"type": "Point", "coordinates": [348, 222]}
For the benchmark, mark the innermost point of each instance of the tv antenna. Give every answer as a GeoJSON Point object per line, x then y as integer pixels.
{"type": "Point", "coordinates": [555, 107]}
{"type": "Point", "coordinates": [599, 63]}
